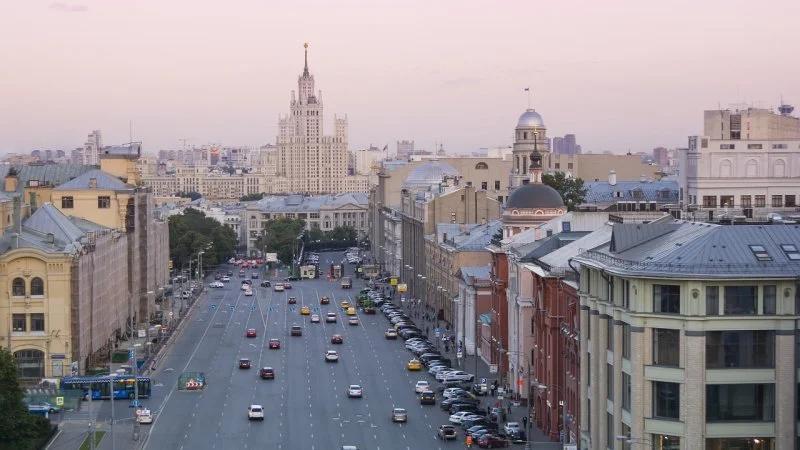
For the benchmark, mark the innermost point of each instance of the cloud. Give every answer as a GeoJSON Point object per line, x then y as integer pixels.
{"type": "Point", "coordinates": [68, 7]}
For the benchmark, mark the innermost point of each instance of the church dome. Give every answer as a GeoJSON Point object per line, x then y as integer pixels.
{"type": "Point", "coordinates": [530, 119]}
{"type": "Point", "coordinates": [532, 196]}
{"type": "Point", "coordinates": [430, 173]}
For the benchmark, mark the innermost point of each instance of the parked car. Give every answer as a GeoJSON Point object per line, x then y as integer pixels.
{"type": "Point", "coordinates": [446, 432]}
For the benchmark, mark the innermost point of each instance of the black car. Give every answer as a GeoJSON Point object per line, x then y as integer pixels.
{"type": "Point", "coordinates": [427, 398]}
{"type": "Point", "coordinates": [425, 357]}
{"type": "Point", "coordinates": [266, 283]}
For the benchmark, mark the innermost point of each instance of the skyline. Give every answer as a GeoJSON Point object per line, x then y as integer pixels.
{"type": "Point", "coordinates": [207, 73]}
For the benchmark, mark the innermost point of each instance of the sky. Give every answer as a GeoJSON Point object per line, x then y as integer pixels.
{"type": "Point", "coordinates": [621, 75]}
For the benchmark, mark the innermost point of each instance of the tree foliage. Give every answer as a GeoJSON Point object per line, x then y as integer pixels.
{"type": "Point", "coordinates": [192, 231]}
{"type": "Point", "coordinates": [497, 238]}
{"type": "Point", "coordinates": [17, 427]}
{"type": "Point", "coordinates": [280, 236]}
{"type": "Point", "coordinates": [191, 194]}
{"type": "Point", "coordinates": [572, 190]}
{"type": "Point", "coordinates": [251, 197]}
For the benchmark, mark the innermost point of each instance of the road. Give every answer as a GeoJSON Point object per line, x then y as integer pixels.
{"type": "Point", "coordinates": [306, 406]}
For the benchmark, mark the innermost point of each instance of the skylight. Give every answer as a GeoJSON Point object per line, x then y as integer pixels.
{"type": "Point", "coordinates": [791, 251]}
{"type": "Point", "coordinates": [760, 253]}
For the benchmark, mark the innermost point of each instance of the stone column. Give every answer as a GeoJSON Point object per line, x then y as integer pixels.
{"type": "Point", "coordinates": [693, 390]}
{"type": "Point", "coordinates": [598, 401]}
{"type": "Point", "coordinates": [638, 383]}
{"type": "Point", "coordinates": [785, 387]}
{"type": "Point", "coordinates": [618, 445]}
{"type": "Point", "coordinates": [583, 368]}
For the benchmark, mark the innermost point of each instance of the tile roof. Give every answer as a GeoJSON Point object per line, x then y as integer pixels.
{"type": "Point", "coordinates": [104, 181]}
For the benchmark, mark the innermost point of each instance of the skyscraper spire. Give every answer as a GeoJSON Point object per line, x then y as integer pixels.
{"type": "Point", "coordinates": [305, 69]}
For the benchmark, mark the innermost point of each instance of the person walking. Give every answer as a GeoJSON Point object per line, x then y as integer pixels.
{"type": "Point", "coordinates": [525, 422]}
{"type": "Point", "coordinates": [468, 441]}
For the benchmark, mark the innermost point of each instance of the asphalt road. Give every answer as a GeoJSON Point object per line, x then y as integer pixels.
{"type": "Point", "coordinates": [306, 406]}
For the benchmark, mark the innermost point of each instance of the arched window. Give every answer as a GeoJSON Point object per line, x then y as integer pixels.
{"type": "Point", "coordinates": [18, 287]}
{"type": "Point", "coordinates": [37, 286]}
{"type": "Point", "coordinates": [30, 363]}
{"type": "Point", "coordinates": [779, 169]}
{"type": "Point", "coordinates": [725, 168]}
{"type": "Point", "coordinates": [751, 169]}
{"type": "Point", "coordinates": [481, 166]}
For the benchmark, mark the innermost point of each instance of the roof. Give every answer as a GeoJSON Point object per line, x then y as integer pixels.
{"type": "Point", "coordinates": [103, 181]}
{"type": "Point", "coordinates": [559, 259]}
{"type": "Point", "coordinates": [549, 244]}
{"type": "Point", "coordinates": [430, 173]}
{"type": "Point", "coordinates": [475, 272]}
{"type": "Point", "coordinates": [530, 118]}
{"type": "Point", "coordinates": [304, 203]}
{"type": "Point", "coordinates": [665, 191]}
{"type": "Point", "coordinates": [531, 196]}
{"type": "Point", "coordinates": [700, 250]}
{"type": "Point", "coordinates": [45, 174]}
{"type": "Point", "coordinates": [49, 230]}
{"type": "Point", "coordinates": [49, 219]}
{"type": "Point", "coordinates": [467, 237]}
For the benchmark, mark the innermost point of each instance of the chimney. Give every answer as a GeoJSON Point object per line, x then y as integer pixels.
{"type": "Point", "coordinates": [642, 178]}
{"type": "Point", "coordinates": [612, 177]}
{"type": "Point", "coordinates": [11, 181]}
{"type": "Point", "coordinates": [93, 183]}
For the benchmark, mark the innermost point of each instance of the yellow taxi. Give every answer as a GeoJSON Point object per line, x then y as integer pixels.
{"type": "Point", "coordinates": [344, 304]}
{"type": "Point", "coordinates": [351, 311]}
{"type": "Point", "coordinates": [305, 310]}
{"type": "Point", "coordinates": [414, 364]}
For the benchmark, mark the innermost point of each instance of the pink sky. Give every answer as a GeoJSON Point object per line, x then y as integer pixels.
{"type": "Point", "coordinates": [620, 74]}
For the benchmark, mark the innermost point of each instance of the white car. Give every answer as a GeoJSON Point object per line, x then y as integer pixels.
{"type": "Point", "coordinates": [512, 428]}
{"type": "Point", "coordinates": [315, 318]}
{"type": "Point", "coordinates": [459, 416]}
{"type": "Point", "coordinates": [248, 293]}
{"type": "Point", "coordinates": [216, 284]}
{"type": "Point", "coordinates": [441, 374]}
{"type": "Point", "coordinates": [433, 370]}
{"type": "Point", "coordinates": [331, 356]}
{"type": "Point", "coordinates": [421, 386]}
{"type": "Point", "coordinates": [450, 392]}
{"type": "Point", "coordinates": [144, 416]}
{"type": "Point", "coordinates": [245, 286]}
{"type": "Point", "coordinates": [255, 412]}
{"type": "Point", "coordinates": [225, 279]}
{"type": "Point", "coordinates": [458, 375]}
{"type": "Point", "coordinates": [278, 287]}
{"type": "Point", "coordinates": [330, 318]}
{"type": "Point", "coordinates": [354, 390]}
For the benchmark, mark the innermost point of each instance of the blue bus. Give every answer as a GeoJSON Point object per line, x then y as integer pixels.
{"type": "Point", "coordinates": [100, 386]}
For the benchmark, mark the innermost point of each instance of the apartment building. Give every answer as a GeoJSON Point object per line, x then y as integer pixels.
{"type": "Point", "coordinates": [688, 337]}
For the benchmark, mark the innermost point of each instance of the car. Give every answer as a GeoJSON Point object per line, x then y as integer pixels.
{"type": "Point", "coordinates": [369, 310]}
{"type": "Point", "coordinates": [414, 365]}
{"type": "Point", "coordinates": [241, 273]}
{"type": "Point", "coordinates": [476, 431]}
{"type": "Point", "coordinates": [296, 330]}
{"type": "Point", "coordinates": [355, 390]}
{"type": "Point", "coordinates": [330, 317]}
{"type": "Point", "coordinates": [440, 375]}
{"type": "Point", "coordinates": [491, 441]}
{"type": "Point", "coordinates": [427, 398]}
{"type": "Point", "coordinates": [267, 373]}
{"type": "Point", "coordinates": [278, 287]}
{"type": "Point", "coordinates": [248, 293]}
{"type": "Point", "coordinates": [244, 363]}
{"type": "Point", "coordinates": [458, 417]}
{"type": "Point", "coordinates": [255, 412]}
{"type": "Point", "coordinates": [337, 339]}
{"type": "Point", "coordinates": [512, 428]}
{"type": "Point", "coordinates": [251, 332]}
{"type": "Point", "coordinates": [315, 318]}
{"type": "Point", "coordinates": [44, 406]}
{"type": "Point", "coordinates": [353, 321]}
{"type": "Point", "coordinates": [292, 300]}
{"type": "Point", "coordinates": [446, 432]}
{"type": "Point", "coordinates": [216, 284]}
{"type": "Point", "coordinates": [452, 392]}
{"type": "Point", "coordinates": [433, 370]}
{"type": "Point", "coordinates": [245, 286]}
{"type": "Point", "coordinates": [458, 407]}
{"type": "Point", "coordinates": [331, 356]}
{"type": "Point", "coordinates": [351, 311]}
{"type": "Point", "coordinates": [344, 304]}
{"type": "Point", "coordinates": [324, 300]}
{"type": "Point", "coordinates": [254, 275]}
{"type": "Point", "coordinates": [144, 416]}
{"type": "Point", "coordinates": [305, 310]}
{"type": "Point", "coordinates": [274, 344]}
{"type": "Point", "coordinates": [390, 334]}
{"type": "Point", "coordinates": [266, 283]}
{"type": "Point", "coordinates": [458, 375]}
{"type": "Point", "coordinates": [287, 285]}
{"type": "Point", "coordinates": [226, 278]}
{"type": "Point", "coordinates": [421, 386]}
{"type": "Point", "coordinates": [399, 415]}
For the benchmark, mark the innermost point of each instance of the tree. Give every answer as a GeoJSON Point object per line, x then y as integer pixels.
{"type": "Point", "coordinates": [18, 429]}
{"type": "Point", "coordinates": [191, 194]}
{"type": "Point", "coordinates": [251, 197]}
{"type": "Point", "coordinates": [343, 233]}
{"type": "Point", "coordinates": [192, 232]}
{"type": "Point", "coordinates": [280, 236]}
{"type": "Point", "coordinates": [497, 238]}
{"type": "Point", "coordinates": [572, 190]}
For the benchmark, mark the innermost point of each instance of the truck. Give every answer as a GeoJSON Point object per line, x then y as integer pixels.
{"type": "Point", "coordinates": [347, 283]}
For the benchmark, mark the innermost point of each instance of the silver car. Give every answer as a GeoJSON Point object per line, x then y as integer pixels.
{"type": "Point", "coordinates": [399, 415]}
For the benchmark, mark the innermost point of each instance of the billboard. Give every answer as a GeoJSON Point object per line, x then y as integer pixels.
{"type": "Point", "coordinates": [271, 257]}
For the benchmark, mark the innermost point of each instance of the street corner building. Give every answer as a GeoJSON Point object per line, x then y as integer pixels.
{"type": "Point", "coordinates": [82, 259]}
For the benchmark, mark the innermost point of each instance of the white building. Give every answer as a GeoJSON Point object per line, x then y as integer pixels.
{"type": "Point", "coordinates": [368, 160]}
{"type": "Point", "coordinates": [747, 164]}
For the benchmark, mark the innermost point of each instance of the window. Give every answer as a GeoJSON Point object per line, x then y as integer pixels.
{"type": "Point", "coordinates": [30, 363]}
{"type": "Point", "coordinates": [18, 287]}
{"type": "Point", "coordinates": [712, 300]}
{"type": "Point", "coordinates": [777, 201]}
{"type": "Point", "coordinates": [610, 439]}
{"type": "Point", "coordinates": [484, 185]}
{"type": "Point", "coordinates": [610, 382]}
{"type": "Point", "coordinates": [760, 253]}
{"type": "Point", "coordinates": [754, 146]}
{"type": "Point", "coordinates": [104, 201]}
{"type": "Point", "coordinates": [727, 146]}
{"type": "Point", "coordinates": [569, 166]}
{"type": "Point", "coordinates": [790, 201]}
{"type": "Point", "coordinates": [626, 341]}
{"type": "Point", "coordinates": [626, 294]}
{"type": "Point", "coordinates": [746, 201]}
{"type": "Point", "coordinates": [666, 442]}
{"type": "Point", "coordinates": [791, 252]}
{"type": "Point", "coordinates": [740, 349]}
{"type": "Point", "coordinates": [18, 322]}
{"type": "Point", "coordinates": [779, 146]}
{"type": "Point", "coordinates": [769, 299]}
{"type": "Point", "coordinates": [748, 443]}
{"type": "Point", "coordinates": [709, 201]}
{"type": "Point", "coordinates": [666, 347]}
{"type": "Point", "coordinates": [496, 185]}
{"type": "Point", "coordinates": [558, 165]}
{"type": "Point", "coordinates": [610, 334]}
{"type": "Point", "coordinates": [666, 400]}
{"type": "Point", "coordinates": [67, 203]}
{"type": "Point", "coordinates": [761, 201]}
{"type": "Point", "coordinates": [481, 166]}
{"type": "Point", "coordinates": [37, 322]}
{"type": "Point", "coordinates": [726, 201]}
{"type": "Point", "coordinates": [37, 286]}
{"type": "Point", "coordinates": [740, 300]}
{"type": "Point", "coordinates": [666, 299]}
{"type": "Point", "coordinates": [740, 402]}
{"type": "Point", "coordinates": [626, 392]}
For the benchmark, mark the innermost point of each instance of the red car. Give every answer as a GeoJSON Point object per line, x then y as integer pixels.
{"type": "Point", "coordinates": [266, 373]}
{"type": "Point", "coordinates": [274, 343]}
{"type": "Point", "coordinates": [337, 339]}
{"type": "Point", "coordinates": [491, 441]}
{"type": "Point", "coordinates": [251, 332]}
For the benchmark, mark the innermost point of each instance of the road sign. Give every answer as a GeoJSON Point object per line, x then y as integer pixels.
{"type": "Point", "coordinates": [60, 401]}
{"type": "Point", "coordinates": [492, 368]}
{"type": "Point", "coordinates": [460, 355]}
{"type": "Point", "coordinates": [483, 380]}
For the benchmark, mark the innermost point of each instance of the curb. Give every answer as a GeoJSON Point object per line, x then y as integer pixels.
{"type": "Point", "coordinates": [178, 331]}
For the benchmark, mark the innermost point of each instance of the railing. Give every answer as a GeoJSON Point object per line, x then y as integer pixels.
{"type": "Point", "coordinates": [692, 268]}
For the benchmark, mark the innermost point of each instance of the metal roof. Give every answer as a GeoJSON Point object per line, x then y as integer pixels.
{"type": "Point", "coordinates": [301, 203]}
{"type": "Point", "coordinates": [45, 174]}
{"type": "Point", "coordinates": [664, 191]}
{"type": "Point", "coordinates": [103, 181]}
{"type": "Point", "coordinates": [476, 272]}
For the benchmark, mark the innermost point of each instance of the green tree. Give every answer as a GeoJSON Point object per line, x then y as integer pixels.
{"type": "Point", "coordinates": [343, 233]}
{"type": "Point", "coordinates": [191, 194]}
{"type": "Point", "coordinates": [572, 190]}
{"type": "Point", "coordinates": [18, 429]}
{"type": "Point", "coordinates": [251, 197]}
{"type": "Point", "coordinates": [280, 236]}
{"type": "Point", "coordinates": [192, 232]}
{"type": "Point", "coordinates": [497, 238]}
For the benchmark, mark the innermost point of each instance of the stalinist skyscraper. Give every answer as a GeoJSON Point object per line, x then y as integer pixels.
{"type": "Point", "coordinates": [308, 160]}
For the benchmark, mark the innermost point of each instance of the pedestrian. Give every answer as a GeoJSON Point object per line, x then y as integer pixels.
{"type": "Point", "coordinates": [525, 422]}
{"type": "Point", "coordinates": [468, 442]}
{"type": "Point", "coordinates": [426, 330]}
{"type": "Point", "coordinates": [488, 410]}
